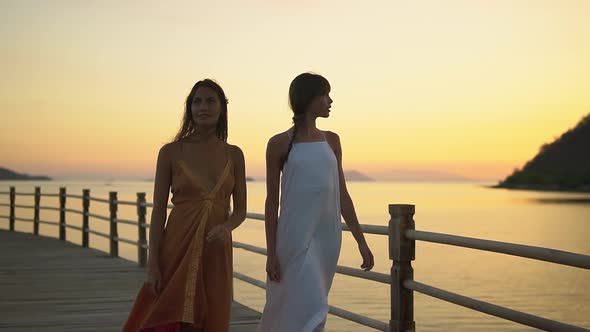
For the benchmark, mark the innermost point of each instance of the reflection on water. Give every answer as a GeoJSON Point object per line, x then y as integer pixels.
{"type": "Point", "coordinates": [554, 220]}
{"type": "Point", "coordinates": [563, 200]}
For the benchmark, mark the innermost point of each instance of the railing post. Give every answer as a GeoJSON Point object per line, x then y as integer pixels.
{"type": "Point", "coordinates": [12, 212]}
{"type": "Point", "coordinates": [402, 253]}
{"type": "Point", "coordinates": [62, 213]}
{"type": "Point", "coordinates": [85, 217]}
{"type": "Point", "coordinates": [37, 209]}
{"type": "Point", "coordinates": [114, 236]}
{"type": "Point", "coordinates": [142, 242]}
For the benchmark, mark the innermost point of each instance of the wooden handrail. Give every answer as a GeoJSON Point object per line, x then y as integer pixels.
{"type": "Point", "coordinates": [539, 253]}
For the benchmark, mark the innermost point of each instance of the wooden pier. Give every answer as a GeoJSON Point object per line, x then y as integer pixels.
{"type": "Point", "coordinates": [51, 285]}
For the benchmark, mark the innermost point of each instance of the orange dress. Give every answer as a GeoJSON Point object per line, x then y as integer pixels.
{"type": "Point", "coordinates": [196, 274]}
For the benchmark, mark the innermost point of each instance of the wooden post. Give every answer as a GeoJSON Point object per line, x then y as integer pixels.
{"type": "Point", "coordinates": [12, 212]}
{"type": "Point", "coordinates": [37, 210]}
{"type": "Point", "coordinates": [62, 213]}
{"type": "Point", "coordinates": [142, 242]}
{"type": "Point", "coordinates": [402, 253]}
{"type": "Point", "coordinates": [114, 236]}
{"type": "Point", "coordinates": [85, 217]}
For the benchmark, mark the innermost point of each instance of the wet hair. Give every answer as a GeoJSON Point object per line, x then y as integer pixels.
{"type": "Point", "coordinates": [302, 91]}
{"type": "Point", "coordinates": [188, 127]}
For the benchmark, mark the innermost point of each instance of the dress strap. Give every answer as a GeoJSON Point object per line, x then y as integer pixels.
{"type": "Point", "coordinates": [227, 153]}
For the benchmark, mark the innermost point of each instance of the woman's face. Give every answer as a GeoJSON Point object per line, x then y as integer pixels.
{"type": "Point", "coordinates": [320, 106]}
{"type": "Point", "coordinates": [205, 107]}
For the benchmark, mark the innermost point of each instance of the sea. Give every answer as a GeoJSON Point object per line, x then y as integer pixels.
{"type": "Point", "coordinates": [555, 220]}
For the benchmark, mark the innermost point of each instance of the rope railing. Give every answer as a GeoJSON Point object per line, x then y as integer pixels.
{"type": "Point", "coordinates": [20, 206]}
{"type": "Point", "coordinates": [74, 211]}
{"type": "Point", "coordinates": [400, 231]}
{"type": "Point", "coordinates": [105, 235]}
{"type": "Point", "coordinates": [120, 239]}
{"type": "Point", "coordinates": [48, 208]}
{"type": "Point", "coordinates": [127, 203]}
{"type": "Point", "coordinates": [24, 219]}
{"type": "Point", "coordinates": [47, 222]}
{"type": "Point", "coordinates": [99, 217]}
{"type": "Point", "coordinates": [127, 222]}
{"type": "Point", "coordinates": [74, 227]}
{"type": "Point", "coordinates": [24, 194]}
{"type": "Point", "coordinates": [100, 200]}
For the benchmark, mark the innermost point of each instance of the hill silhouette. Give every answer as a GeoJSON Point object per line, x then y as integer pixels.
{"type": "Point", "coordinates": [355, 175]}
{"type": "Point", "coordinates": [561, 165]}
{"type": "Point", "coordinates": [6, 174]}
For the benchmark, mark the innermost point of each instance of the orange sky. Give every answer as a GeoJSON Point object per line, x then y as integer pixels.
{"type": "Point", "coordinates": [421, 89]}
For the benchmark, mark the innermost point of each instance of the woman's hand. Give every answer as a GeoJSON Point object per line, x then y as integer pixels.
{"type": "Point", "coordinates": [367, 255]}
{"type": "Point", "coordinates": [219, 232]}
{"type": "Point", "coordinates": [273, 269]}
{"type": "Point", "coordinates": [154, 280]}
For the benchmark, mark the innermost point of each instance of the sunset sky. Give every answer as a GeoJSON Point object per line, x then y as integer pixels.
{"type": "Point", "coordinates": [421, 89]}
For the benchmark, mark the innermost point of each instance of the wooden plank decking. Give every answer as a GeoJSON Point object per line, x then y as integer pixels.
{"type": "Point", "coordinates": [52, 285]}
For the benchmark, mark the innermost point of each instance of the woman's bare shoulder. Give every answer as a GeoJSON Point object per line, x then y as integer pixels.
{"type": "Point", "coordinates": [235, 152]}
{"type": "Point", "coordinates": [170, 152]}
{"type": "Point", "coordinates": [279, 140]}
{"type": "Point", "coordinates": [331, 136]}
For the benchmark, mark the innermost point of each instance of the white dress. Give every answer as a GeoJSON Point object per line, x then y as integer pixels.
{"type": "Point", "coordinates": [309, 235]}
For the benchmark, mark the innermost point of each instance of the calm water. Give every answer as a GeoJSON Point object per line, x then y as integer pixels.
{"type": "Point", "coordinates": [555, 220]}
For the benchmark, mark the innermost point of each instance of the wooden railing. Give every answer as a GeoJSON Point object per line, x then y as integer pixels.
{"type": "Point", "coordinates": [402, 242]}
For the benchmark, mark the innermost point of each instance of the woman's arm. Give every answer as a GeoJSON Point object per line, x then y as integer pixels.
{"type": "Point", "coordinates": [239, 194]}
{"type": "Point", "coordinates": [271, 207]}
{"type": "Point", "coordinates": [222, 232]}
{"type": "Point", "coordinates": [159, 213]}
{"type": "Point", "coordinates": [160, 203]}
{"type": "Point", "coordinates": [347, 207]}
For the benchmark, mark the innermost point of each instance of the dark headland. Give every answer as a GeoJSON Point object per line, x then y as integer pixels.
{"type": "Point", "coordinates": [6, 174]}
{"type": "Point", "coordinates": [563, 165]}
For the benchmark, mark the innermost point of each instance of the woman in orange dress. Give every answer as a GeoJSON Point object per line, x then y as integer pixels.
{"type": "Point", "coordinates": [189, 281]}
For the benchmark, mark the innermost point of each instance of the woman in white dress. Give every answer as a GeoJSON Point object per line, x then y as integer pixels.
{"type": "Point", "coordinates": [304, 241]}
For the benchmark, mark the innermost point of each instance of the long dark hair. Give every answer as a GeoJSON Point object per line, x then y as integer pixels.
{"type": "Point", "coordinates": [188, 126]}
{"type": "Point", "coordinates": [303, 89]}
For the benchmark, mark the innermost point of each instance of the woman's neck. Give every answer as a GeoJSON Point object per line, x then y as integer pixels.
{"type": "Point", "coordinates": [203, 135]}
{"type": "Point", "coordinates": [307, 128]}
